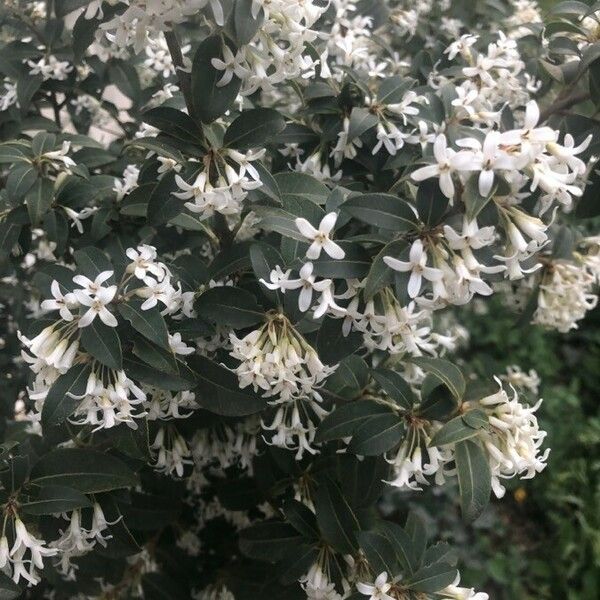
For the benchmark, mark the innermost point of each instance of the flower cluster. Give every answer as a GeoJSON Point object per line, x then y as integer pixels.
{"type": "Point", "coordinates": [236, 258]}
{"type": "Point", "coordinates": [513, 440]}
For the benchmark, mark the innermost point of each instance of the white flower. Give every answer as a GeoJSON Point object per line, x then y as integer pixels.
{"type": "Point", "coordinates": [417, 265]}
{"type": "Point", "coordinates": [378, 590]}
{"type": "Point", "coordinates": [453, 592]}
{"type": "Point", "coordinates": [24, 539]}
{"type": "Point", "coordinates": [97, 307]}
{"type": "Point", "coordinates": [320, 237]}
{"type": "Point", "coordinates": [91, 287]}
{"type": "Point", "coordinates": [178, 346]}
{"type": "Point", "coordinates": [514, 439]}
{"type": "Point", "coordinates": [307, 282]}
{"type": "Point", "coordinates": [447, 161]}
{"type": "Point", "coordinates": [62, 302]}
{"type": "Point", "coordinates": [143, 261]}
{"type": "Point", "coordinates": [232, 64]}
{"type": "Point", "coordinates": [530, 135]}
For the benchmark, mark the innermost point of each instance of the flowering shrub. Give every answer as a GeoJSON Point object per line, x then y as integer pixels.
{"type": "Point", "coordinates": [235, 239]}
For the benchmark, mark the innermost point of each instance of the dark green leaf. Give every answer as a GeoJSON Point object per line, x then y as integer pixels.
{"type": "Point", "coordinates": [432, 578]}
{"type": "Point", "coordinates": [453, 431]}
{"type": "Point", "coordinates": [88, 471]}
{"type": "Point", "coordinates": [8, 588]}
{"type": "Point", "coordinates": [39, 199]}
{"type": "Point", "coordinates": [174, 123]}
{"type": "Point", "coordinates": [474, 478]}
{"type": "Point", "coordinates": [61, 400]}
{"type": "Point", "coordinates": [336, 520]}
{"type": "Point", "coordinates": [268, 541]}
{"type": "Point", "coordinates": [54, 499]}
{"type": "Point", "coordinates": [445, 371]}
{"type": "Point", "coordinates": [264, 259]}
{"type": "Point", "coordinates": [91, 262]}
{"type": "Point", "coordinates": [344, 420]}
{"type": "Point", "coordinates": [229, 306]}
{"type": "Point", "coordinates": [301, 518]}
{"type": "Point", "coordinates": [379, 552]}
{"type": "Point", "coordinates": [150, 323]}
{"type": "Point", "coordinates": [332, 344]}
{"type": "Point", "coordinates": [219, 390]}
{"type": "Point", "coordinates": [377, 435]}
{"type": "Point", "coordinates": [162, 206]}
{"type": "Point", "coordinates": [103, 343]}
{"type": "Point", "coordinates": [253, 129]}
{"type": "Point", "coordinates": [211, 100]}
{"type": "Point", "coordinates": [381, 210]}
{"type": "Point", "coordinates": [242, 26]}
{"type": "Point", "coordinates": [395, 386]}
{"type": "Point", "coordinates": [361, 120]}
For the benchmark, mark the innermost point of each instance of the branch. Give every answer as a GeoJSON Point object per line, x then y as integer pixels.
{"type": "Point", "coordinates": [185, 80]}
{"type": "Point", "coordinates": [563, 104]}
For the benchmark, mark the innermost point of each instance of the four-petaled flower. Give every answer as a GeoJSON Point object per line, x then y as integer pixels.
{"type": "Point", "coordinates": [320, 237]}
{"type": "Point", "coordinates": [378, 590]}
{"type": "Point", "coordinates": [62, 302]}
{"type": "Point", "coordinates": [97, 307]}
{"type": "Point", "coordinates": [417, 265]}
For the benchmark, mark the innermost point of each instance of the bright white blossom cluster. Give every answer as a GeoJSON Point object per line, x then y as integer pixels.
{"type": "Point", "coordinates": [513, 440]}
{"type": "Point", "coordinates": [109, 396]}
{"type": "Point", "coordinates": [222, 185]}
{"type": "Point", "coordinates": [423, 174]}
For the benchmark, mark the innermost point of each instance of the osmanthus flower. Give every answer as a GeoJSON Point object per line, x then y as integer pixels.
{"type": "Point", "coordinates": [277, 360]}
{"type": "Point", "coordinates": [488, 158]}
{"type": "Point", "coordinates": [294, 426]}
{"type": "Point", "coordinates": [513, 440]}
{"type": "Point", "coordinates": [49, 67]}
{"type": "Point", "coordinates": [25, 543]}
{"type": "Point", "coordinates": [97, 307]}
{"type": "Point", "coordinates": [75, 541]}
{"type": "Point", "coordinates": [421, 135]}
{"type": "Point", "coordinates": [454, 592]}
{"type": "Point", "coordinates": [89, 287]}
{"type": "Point", "coordinates": [172, 451]}
{"type": "Point", "coordinates": [530, 137]}
{"type": "Point", "coordinates": [143, 261]}
{"type": "Point", "coordinates": [232, 64]}
{"type": "Point", "coordinates": [166, 406]}
{"type": "Point", "coordinates": [518, 378]}
{"type": "Point", "coordinates": [417, 266]}
{"type": "Point", "coordinates": [415, 459]}
{"type": "Point", "coordinates": [447, 161]}
{"type": "Point", "coordinates": [320, 238]}
{"type": "Point", "coordinates": [378, 590]}
{"type": "Point", "coordinates": [386, 325]}
{"type": "Point", "coordinates": [307, 283]}
{"type": "Point", "coordinates": [345, 147]}
{"type": "Point", "coordinates": [56, 346]}
{"type": "Point", "coordinates": [109, 399]}
{"type": "Point", "coordinates": [566, 294]}
{"type": "Point", "coordinates": [63, 303]}
{"type": "Point", "coordinates": [461, 46]}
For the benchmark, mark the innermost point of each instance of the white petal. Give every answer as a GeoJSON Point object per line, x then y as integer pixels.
{"type": "Point", "coordinates": [414, 284]}
{"type": "Point", "coordinates": [306, 229]}
{"type": "Point", "coordinates": [328, 223]}
{"type": "Point", "coordinates": [486, 181]}
{"type": "Point", "coordinates": [305, 299]}
{"type": "Point", "coordinates": [314, 251]}
{"type": "Point", "coordinates": [334, 250]}
{"type": "Point", "coordinates": [397, 265]}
